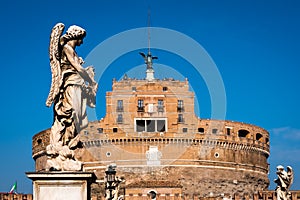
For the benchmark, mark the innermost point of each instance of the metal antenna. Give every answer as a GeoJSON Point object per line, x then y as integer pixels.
{"type": "Point", "coordinates": [149, 12]}
{"type": "Point", "coordinates": [149, 58]}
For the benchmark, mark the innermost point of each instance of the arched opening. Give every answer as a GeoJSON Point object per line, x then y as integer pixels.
{"type": "Point", "coordinates": [259, 137]}
{"type": "Point", "coordinates": [39, 141]}
{"type": "Point", "coordinates": [267, 140]}
{"type": "Point", "coordinates": [244, 133]}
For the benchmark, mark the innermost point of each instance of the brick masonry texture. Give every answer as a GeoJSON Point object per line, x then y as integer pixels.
{"type": "Point", "coordinates": [202, 156]}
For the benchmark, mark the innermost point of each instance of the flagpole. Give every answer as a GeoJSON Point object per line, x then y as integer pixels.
{"type": "Point", "coordinates": [13, 188]}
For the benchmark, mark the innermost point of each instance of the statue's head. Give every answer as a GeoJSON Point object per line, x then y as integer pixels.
{"type": "Point", "coordinates": [279, 167]}
{"type": "Point", "coordinates": [74, 33]}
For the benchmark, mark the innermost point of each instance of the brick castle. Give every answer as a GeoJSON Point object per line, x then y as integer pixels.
{"type": "Point", "coordinates": [151, 132]}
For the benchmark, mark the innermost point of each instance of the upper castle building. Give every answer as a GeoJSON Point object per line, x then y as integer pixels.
{"type": "Point", "coordinates": [150, 131]}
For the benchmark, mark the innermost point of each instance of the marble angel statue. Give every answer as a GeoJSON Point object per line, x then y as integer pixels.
{"type": "Point", "coordinates": [72, 89]}
{"type": "Point", "coordinates": [284, 181]}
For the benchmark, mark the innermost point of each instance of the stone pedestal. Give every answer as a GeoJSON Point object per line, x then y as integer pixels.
{"type": "Point", "coordinates": [61, 185]}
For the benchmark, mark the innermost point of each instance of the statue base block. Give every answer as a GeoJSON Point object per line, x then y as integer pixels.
{"type": "Point", "coordinates": [61, 185]}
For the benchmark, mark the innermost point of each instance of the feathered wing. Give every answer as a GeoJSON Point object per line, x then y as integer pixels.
{"type": "Point", "coordinates": [54, 54]}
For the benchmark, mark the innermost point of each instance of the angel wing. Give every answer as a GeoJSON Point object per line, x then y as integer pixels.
{"type": "Point", "coordinates": [142, 54]}
{"type": "Point", "coordinates": [54, 54]}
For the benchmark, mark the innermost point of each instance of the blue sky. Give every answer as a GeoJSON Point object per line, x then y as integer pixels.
{"type": "Point", "coordinates": [254, 44]}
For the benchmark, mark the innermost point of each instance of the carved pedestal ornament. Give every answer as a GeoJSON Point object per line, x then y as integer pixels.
{"type": "Point", "coordinates": [284, 181]}
{"type": "Point", "coordinates": [72, 89]}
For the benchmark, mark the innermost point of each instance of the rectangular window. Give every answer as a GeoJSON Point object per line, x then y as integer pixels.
{"type": "Point", "coordinates": [184, 130]}
{"type": "Point", "coordinates": [140, 105]}
{"type": "Point", "coordinates": [201, 130]}
{"type": "Point", "coordinates": [160, 105]}
{"type": "Point", "coordinates": [180, 118]}
{"type": "Point", "coordinates": [85, 132]}
{"type": "Point", "coordinates": [140, 125]}
{"type": "Point", "coordinates": [120, 106]}
{"type": "Point", "coordinates": [150, 125]}
{"type": "Point", "coordinates": [180, 107]}
{"type": "Point", "coordinates": [161, 127]}
{"type": "Point", "coordinates": [100, 130]}
{"type": "Point", "coordinates": [120, 118]}
{"type": "Point", "coordinates": [228, 131]}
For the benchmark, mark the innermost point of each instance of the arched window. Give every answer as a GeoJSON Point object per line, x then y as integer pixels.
{"type": "Point", "coordinates": [39, 141]}
{"type": "Point", "coordinates": [267, 140]}
{"type": "Point", "coordinates": [244, 133]}
{"type": "Point", "coordinates": [259, 137]}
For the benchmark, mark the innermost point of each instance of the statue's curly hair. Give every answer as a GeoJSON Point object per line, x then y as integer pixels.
{"type": "Point", "coordinates": [74, 32]}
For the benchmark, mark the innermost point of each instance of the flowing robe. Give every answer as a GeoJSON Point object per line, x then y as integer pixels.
{"type": "Point", "coordinates": [69, 106]}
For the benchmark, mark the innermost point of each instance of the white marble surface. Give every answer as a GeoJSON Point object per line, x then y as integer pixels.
{"type": "Point", "coordinates": [61, 185]}
{"type": "Point", "coordinates": [60, 191]}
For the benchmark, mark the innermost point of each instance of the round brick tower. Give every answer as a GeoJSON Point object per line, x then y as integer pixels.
{"type": "Point", "coordinates": [152, 134]}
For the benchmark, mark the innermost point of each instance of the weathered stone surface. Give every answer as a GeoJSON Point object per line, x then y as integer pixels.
{"type": "Point", "coordinates": [61, 185]}
{"type": "Point", "coordinates": [197, 155]}
{"type": "Point", "coordinates": [72, 89]}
